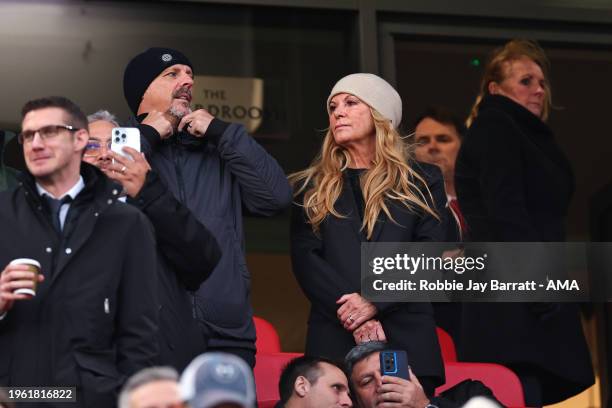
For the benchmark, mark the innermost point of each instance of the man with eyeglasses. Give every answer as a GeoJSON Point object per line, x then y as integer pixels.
{"type": "Point", "coordinates": [94, 316]}
{"type": "Point", "coordinates": [97, 150]}
{"type": "Point", "coordinates": [187, 252]}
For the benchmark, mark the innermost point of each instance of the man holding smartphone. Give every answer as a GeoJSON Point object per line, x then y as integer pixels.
{"type": "Point", "coordinates": [216, 169]}
{"type": "Point", "coordinates": [373, 388]}
{"type": "Point", "coordinates": [186, 251]}
{"type": "Point", "coordinates": [94, 313]}
{"type": "Point", "coordinates": [374, 385]}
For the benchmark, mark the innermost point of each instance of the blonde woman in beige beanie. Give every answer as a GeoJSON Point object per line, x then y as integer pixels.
{"type": "Point", "coordinates": [364, 187]}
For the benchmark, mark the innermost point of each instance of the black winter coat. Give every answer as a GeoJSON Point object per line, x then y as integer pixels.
{"type": "Point", "coordinates": [187, 254]}
{"type": "Point", "coordinates": [94, 319]}
{"type": "Point", "coordinates": [218, 177]}
{"type": "Point", "coordinates": [328, 266]}
{"type": "Point", "coordinates": [514, 184]}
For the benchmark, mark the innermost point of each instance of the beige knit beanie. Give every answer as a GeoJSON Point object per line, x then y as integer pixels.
{"type": "Point", "coordinates": [374, 91]}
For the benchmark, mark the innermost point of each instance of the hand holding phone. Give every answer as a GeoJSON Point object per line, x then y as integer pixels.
{"type": "Point", "coordinates": [400, 387]}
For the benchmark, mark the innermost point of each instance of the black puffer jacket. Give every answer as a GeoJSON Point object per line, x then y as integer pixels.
{"type": "Point", "coordinates": [187, 255]}
{"type": "Point", "coordinates": [216, 177]}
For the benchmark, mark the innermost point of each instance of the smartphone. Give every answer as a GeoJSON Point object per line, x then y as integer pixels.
{"type": "Point", "coordinates": [394, 363]}
{"type": "Point", "coordinates": [125, 136]}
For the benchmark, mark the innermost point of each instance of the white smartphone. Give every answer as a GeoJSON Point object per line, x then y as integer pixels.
{"type": "Point", "coordinates": [125, 136]}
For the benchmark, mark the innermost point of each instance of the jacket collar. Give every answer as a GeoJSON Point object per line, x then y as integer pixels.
{"type": "Point", "coordinates": [97, 188]}
{"type": "Point", "coordinates": [95, 198]}
{"type": "Point", "coordinates": [347, 206]}
{"type": "Point", "coordinates": [537, 131]}
{"type": "Point", "coordinates": [517, 111]}
{"type": "Point", "coordinates": [182, 138]}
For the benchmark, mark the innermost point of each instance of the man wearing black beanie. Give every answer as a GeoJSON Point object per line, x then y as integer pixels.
{"type": "Point", "coordinates": [216, 169]}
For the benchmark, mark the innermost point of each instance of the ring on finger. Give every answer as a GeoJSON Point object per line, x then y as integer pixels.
{"type": "Point", "coordinates": [351, 319]}
{"type": "Point", "coordinates": [122, 171]}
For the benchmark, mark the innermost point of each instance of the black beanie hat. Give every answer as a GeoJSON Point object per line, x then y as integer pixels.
{"type": "Point", "coordinates": [144, 68]}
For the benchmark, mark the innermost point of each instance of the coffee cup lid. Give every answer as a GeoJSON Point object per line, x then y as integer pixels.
{"type": "Point", "coordinates": [26, 261]}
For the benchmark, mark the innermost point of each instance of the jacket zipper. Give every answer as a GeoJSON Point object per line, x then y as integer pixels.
{"type": "Point", "coordinates": [177, 154]}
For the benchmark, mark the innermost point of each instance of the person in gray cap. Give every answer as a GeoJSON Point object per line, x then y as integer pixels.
{"type": "Point", "coordinates": [364, 186]}
{"type": "Point", "coordinates": [218, 380]}
{"type": "Point", "coordinates": [216, 169]}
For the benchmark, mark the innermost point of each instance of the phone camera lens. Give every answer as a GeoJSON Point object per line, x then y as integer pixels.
{"type": "Point", "coordinates": [117, 140]}
{"type": "Point", "coordinates": [123, 136]}
{"type": "Point", "coordinates": [116, 132]}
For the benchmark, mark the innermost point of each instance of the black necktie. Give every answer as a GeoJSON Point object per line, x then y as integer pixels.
{"type": "Point", "coordinates": [55, 207]}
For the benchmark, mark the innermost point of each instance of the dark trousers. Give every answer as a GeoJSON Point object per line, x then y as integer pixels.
{"type": "Point", "coordinates": [246, 354]}
{"type": "Point", "coordinates": [532, 386]}
{"type": "Point", "coordinates": [429, 385]}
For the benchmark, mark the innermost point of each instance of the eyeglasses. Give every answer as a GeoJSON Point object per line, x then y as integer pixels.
{"type": "Point", "coordinates": [94, 147]}
{"type": "Point", "coordinates": [45, 133]}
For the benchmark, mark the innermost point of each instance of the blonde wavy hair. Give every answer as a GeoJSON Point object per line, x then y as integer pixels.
{"type": "Point", "coordinates": [389, 178]}
{"type": "Point", "coordinates": [497, 69]}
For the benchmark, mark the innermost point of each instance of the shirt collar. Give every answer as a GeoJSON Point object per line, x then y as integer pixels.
{"type": "Point", "coordinates": [73, 192]}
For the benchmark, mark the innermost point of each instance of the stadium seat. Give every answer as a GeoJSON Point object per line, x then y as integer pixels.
{"type": "Point", "coordinates": [505, 385]}
{"type": "Point", "coordinates": [267, 337]}
{"type": "Point", "coordinates": [267, 371]}
{"type": "Point", "coordinates": [447, 345]}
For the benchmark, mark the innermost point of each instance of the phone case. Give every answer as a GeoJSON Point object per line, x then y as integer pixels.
{"type": "Point", "coordinates": [125, 136]}
{"type": "Point", "coordinates": [394, 363]}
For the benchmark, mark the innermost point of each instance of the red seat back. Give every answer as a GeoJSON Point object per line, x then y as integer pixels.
{"type": "Point", "coordinates": [267, 371]}
{"type": "Point", "coordinates": [267, 337]}
{"type": "Point", "coordinates": [505, 385]}
{"type": "Point", "coordinates": [447, 345]}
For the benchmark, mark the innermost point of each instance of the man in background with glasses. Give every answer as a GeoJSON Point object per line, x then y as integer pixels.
{"type": "Point", "coordinates": [186, 251]}
{"type": "Point", "coordinates": [91, 317]}
{"type": "Point", "coordinates": [97, 150]}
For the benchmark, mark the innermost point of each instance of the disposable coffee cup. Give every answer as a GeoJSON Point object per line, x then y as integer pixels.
{"type": "Point", "coordinates": [33, 266]}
